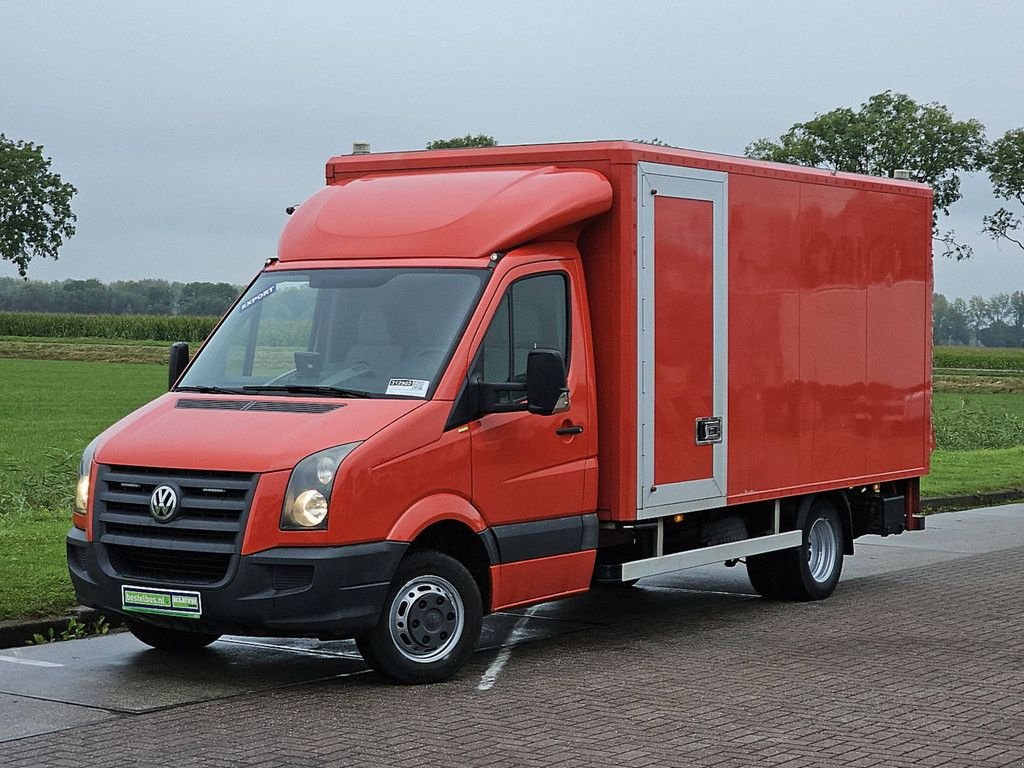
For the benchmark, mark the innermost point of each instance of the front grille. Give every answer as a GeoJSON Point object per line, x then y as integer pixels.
{"type": "Point", "coordinates": [77, 557]}
{"type": "Point", "coordinates": [279, 406]}
{"type": "Point", "coordinates": [196, 546]}
{"type": "Point", "coordinates": [191, 568]}
{"type": "Point", "coordinates": [291, 576]}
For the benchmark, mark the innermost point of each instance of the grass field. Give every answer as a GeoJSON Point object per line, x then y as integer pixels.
{"type": "Point", "coordinates": [88, 348]}
{"type": "Point", "coordinates": [969, 421]}
{"type": "Point", "coordinates": [944, 402]}
{"type": "Point", "coordinates": [964, 473]}
{"type": "Point", "coordinates": [57, 394]}
{"type": "Point", "coordinates": [49, 410]}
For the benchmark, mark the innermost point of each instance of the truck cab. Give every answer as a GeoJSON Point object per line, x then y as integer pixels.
{"type": "Point", "coordinates": [358, 413]}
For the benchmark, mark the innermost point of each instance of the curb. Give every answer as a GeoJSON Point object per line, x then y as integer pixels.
{"type": "Point", "coordinates": [15, 633]}
{"type": "Point", "coordinates": [971, 501]}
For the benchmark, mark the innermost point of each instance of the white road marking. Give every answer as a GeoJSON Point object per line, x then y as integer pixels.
{"type": "Point", "coordinates": [488, 679]}
{"type": "Point", "coordinates": [29, 662]}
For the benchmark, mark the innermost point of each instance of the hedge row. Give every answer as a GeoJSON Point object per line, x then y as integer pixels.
{"type": "Point", "coordinates": [155, 327]}
{"type": "Point", "coordinates": [195, 329]}
{"type": "Point", "coordinates": [980, 358]}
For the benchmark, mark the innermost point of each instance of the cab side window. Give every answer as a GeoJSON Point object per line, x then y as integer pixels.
{"type": "Point", "coordinates": [494, 358]}
{"type": "Point", "coordinates": [533, 313]}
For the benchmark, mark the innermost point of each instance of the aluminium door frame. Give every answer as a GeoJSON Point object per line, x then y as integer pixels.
{"type": "Point", "coordinates": [657, 179]}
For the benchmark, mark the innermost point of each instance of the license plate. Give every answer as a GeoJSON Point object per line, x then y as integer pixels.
{"type": "Point", "coordinates": [166, 602]}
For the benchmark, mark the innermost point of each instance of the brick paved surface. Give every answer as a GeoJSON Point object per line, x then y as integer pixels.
{"type": "Point", "coordinates": [922, 667]}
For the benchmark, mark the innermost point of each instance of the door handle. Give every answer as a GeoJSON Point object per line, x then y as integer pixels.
{"type": "Point", "coordinates": [572, 429]}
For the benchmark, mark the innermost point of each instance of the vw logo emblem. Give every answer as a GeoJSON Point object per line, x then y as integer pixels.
{"type": "Point", "coordinates": [163, 504]}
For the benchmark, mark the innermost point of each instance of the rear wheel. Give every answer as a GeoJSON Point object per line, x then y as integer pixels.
{"type": "Point", "coordinates": [166, 639]}
{"type": "Point", "coordinates": [430, 623]}
{"type": "Point", "coordinates": [810, 571]}
{"type": "Point", "coordinates": [763, 571]}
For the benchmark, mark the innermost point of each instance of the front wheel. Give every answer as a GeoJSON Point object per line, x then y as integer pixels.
{"type": "Point", "coordinates": [430, 623]}
{"type": "Point", "coordinates": [166, 639]}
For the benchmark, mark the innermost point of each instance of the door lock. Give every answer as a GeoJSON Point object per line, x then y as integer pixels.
{"type": "Point", "coordinates": [709, 430]}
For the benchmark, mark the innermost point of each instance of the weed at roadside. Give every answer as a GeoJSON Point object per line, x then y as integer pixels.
{"type": "Point", "coordinates": [75, 630]}
{"type": "Point", "coordinates": [972, 427]}
{"type": "Point", "coordinates": [48, 484]}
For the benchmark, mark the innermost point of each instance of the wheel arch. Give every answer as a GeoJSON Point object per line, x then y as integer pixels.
{"type": "Point", "coordinates": [435, 509]}
{"type": "Point", "coordinates": [837, 499]}
{"type": "Point", "coordinates": [451, 524]}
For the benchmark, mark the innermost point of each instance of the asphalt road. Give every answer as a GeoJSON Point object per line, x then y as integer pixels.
{"type": "Point", "coordinates": [917, 660]}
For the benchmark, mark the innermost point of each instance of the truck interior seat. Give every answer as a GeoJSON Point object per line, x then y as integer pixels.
{"type": "Point", "coordinates": [374, 345]}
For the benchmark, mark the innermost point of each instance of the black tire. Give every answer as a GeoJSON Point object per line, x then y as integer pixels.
{"type": "Point", "coordinates": [434, 594]}
{"type": "Point", "coordinates": [616, 585]}
{"type": "Point", "coordinates": [812, 571]}
{"type": "Point", "coordinates": [764, 572]}
{"type": "Point", "coordinates": [166, 639]}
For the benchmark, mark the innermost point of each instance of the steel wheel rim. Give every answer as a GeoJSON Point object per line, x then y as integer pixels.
{"type": "Point", "coordinates": [822, 550]}
{"type": "Point", "coordinates": [426, 619]}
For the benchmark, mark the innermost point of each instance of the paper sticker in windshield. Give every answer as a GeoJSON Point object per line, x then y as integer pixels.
{"type": "Point", "coordinates": [258, 297]}
{"type": "Point", "coordinates": [414, 387]}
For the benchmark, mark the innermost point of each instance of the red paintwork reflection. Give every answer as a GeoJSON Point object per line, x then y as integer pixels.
{"type": "Point", "coordinates": [828, 324]}
{"type": "Point", "coordinates": [161, 435]}
{"type": "Point", "coordinates": [465, 213]}
{"type": "Point", "coordinates": [683, 337]}
{"type": "Point", "coordinates": [533, 581]}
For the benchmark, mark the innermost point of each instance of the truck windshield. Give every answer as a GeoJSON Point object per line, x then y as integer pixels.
{"type": "Point", "coordinates": [339, 332]}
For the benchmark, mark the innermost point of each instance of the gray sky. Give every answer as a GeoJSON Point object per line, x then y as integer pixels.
{"type": "Point", "coordinates": [189, 126]}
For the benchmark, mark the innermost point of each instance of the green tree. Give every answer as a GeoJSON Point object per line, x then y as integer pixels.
{"type": "Point", "coordinates": [35, 205]}
{"type": "Point", "coordinates": [205, 298]}
{"type": "Point", "coordinates": [949, 321]}
{"type": "Point", "coordinates": [999, 308]}
{"type": "Point", "coordinates": [1017, 309]}
{"type": "Point", "coordinates": [1005, 161]}
{"type": "Point", "coordinates": [889, 131]}
{"type": "Point", "coordinates": [462, 142]}
{"type": "Point", "coordinates": [84, 297]}
{"type": "Point", "coordinates": [979, 314]}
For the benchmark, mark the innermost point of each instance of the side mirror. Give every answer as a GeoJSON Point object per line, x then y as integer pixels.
{"type": "Point", "coordinates": [547, 389]}
{"type": "Point", "coordinates": [177, 362]}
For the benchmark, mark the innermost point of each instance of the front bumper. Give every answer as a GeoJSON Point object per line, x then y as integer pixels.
{"type": "Point", "coordinates": [325, 592]}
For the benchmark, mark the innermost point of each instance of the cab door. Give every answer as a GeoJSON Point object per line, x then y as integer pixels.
{"type": "Point", "coordinates": [526, 466]}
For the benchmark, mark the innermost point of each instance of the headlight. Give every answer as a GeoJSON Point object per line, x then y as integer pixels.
{"type": "Point", "coordinates": [82, 489]}
{"type": "Point", "coordinates": [309, 510]}
{"type": "Point", "coordinates": [309, 489]}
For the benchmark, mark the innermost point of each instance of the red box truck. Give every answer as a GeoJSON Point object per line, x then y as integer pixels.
{"type": "Point", "coordinates": [478, 379]}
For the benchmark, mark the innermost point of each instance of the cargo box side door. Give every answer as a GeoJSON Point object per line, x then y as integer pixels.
{"type": "Point", "coordinates": [682, 339]}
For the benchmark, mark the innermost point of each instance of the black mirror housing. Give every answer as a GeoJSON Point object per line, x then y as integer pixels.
{"type": "Point", "coordinates": [490, 398]}
{"type": "Point", "coordinates": [177, 362]}
{"type": "Point", "coordinates": [546, 381]}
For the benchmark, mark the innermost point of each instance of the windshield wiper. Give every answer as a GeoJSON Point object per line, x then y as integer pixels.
{"type": "Point", "coordinates": [308, 389]}
{"type": "Point", "coordinates": [209, 390]}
